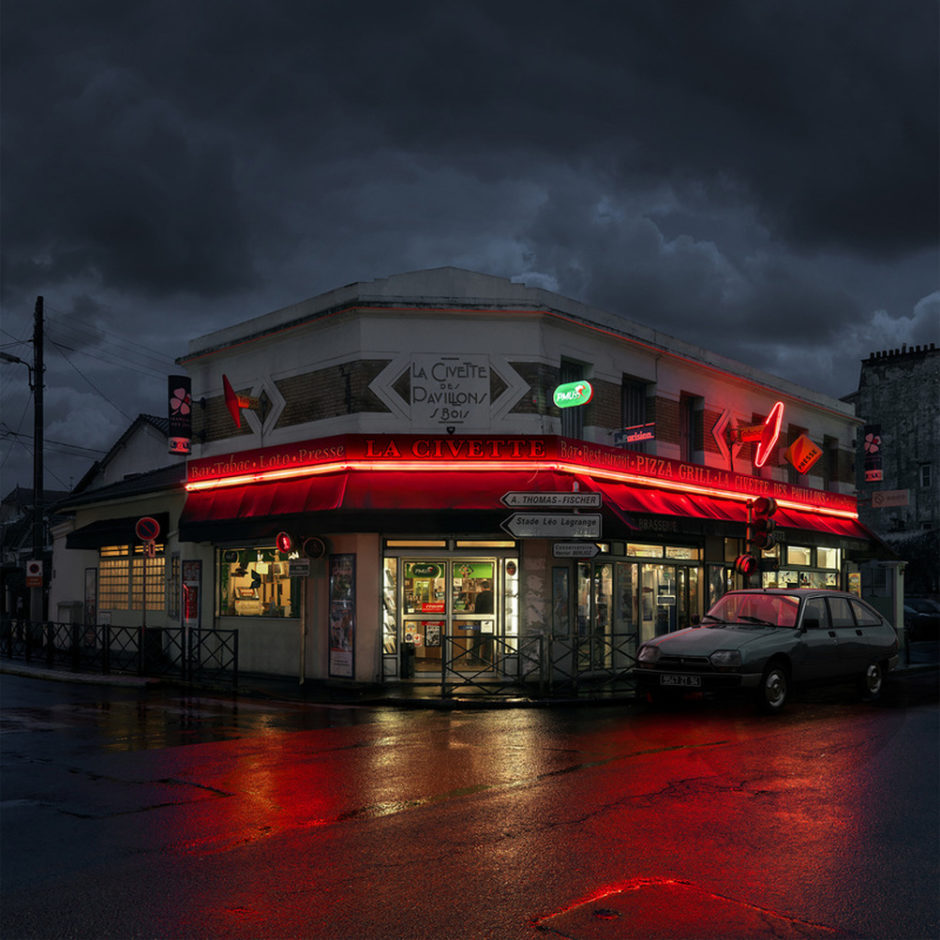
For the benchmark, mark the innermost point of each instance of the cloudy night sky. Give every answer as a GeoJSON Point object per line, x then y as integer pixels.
{"type": "Point", "coordinates": [759, 178]}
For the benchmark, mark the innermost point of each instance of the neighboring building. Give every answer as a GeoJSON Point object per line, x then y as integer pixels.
{"type": "Point", "coordinates": [383, 479]}
{"type": "Point", "coordinates": [100, 565]}
{"type": "Point", "coordinates": [16, 546]}
{"type": "Point", "coordinates": [898, 465]}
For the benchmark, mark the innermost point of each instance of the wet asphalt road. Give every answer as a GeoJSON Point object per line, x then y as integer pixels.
{"type": "Point", "coordinates": [148, 813]}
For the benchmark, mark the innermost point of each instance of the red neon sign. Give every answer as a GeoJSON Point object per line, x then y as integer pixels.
{"type": "Point", "coordinates": [769, 434]}
{"type": "Point", "coordinates": [764, 435]}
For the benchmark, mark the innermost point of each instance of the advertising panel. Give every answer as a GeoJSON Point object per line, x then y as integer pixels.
{"type": "Point", "coordinates": [342, 616]}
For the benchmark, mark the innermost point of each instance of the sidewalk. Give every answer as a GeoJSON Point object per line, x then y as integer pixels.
{"type": "Point", "coordinates": [918, 680]}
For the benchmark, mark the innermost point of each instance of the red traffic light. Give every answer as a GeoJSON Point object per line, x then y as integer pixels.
{"type": "Point", "coordinates": [746, 565]}
{"type": "Point", "coordinates": [762, 535]}
{"type": "Point", "coordinates": [284, 542]}
{"type": "Point", "coordinates": [764, 506]}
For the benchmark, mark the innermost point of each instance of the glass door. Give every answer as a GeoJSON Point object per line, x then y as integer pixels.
{"type": "Point", "coordinates": [424, 613]}
{"type": "Point", "coordinates": [657, 600]}
{"type": "Point", "coordinates": [447, 604]}
{"type": "Point", "coordinates": [473, 623]}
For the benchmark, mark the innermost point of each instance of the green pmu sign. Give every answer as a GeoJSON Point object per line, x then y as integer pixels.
{"type": "Point", "coordinates": [573, 393]}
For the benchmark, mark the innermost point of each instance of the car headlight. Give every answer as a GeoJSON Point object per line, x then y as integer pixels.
{"type": "Point", "coordinates": [648, 654]}
{"type": "Point", "coordinates": [725, 659]}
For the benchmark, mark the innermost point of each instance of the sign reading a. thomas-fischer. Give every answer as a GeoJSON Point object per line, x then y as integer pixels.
{"type": "Point", "coordinates": [551, 500]}
{"type": "Point", "coordinates": [546, 525]}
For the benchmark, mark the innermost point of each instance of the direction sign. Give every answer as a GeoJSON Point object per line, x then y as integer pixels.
{"type": "Point", "coordinates": [546, 525]}
{"type": "Point", "coordinates": [882, 498]}
{"type": "Point", "coordinates": [555, 500]}
{"type": "Point", "coordinates": [574, 550]}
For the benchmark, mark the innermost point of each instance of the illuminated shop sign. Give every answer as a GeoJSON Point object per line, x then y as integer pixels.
{"type": "Point", "coordinates": [408, 452]}
{"type": "Point", "coordinates": [572, 393]}
{"type": "Point", "coordinates": [636, 434]}
{"type": "Point", "coordinates": [803, 454]}
{"type": "Point", "coordinates": [180, 414]}
{"type": "Point", "coordinates": [872, 466]}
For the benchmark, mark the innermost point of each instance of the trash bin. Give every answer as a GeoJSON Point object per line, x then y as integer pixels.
{"type": "Point", "coordinates": [407, 660]}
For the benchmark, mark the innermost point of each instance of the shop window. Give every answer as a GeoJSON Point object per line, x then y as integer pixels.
{"type": "Point", "coordinates": [828, 558]}
{"type": "Point", "coordinates": [644, 551]}
{"type": "Point", "coordinates": [683, 552]}
{"type": "Point", "coordinates": [255, 582]}
{"type": "Point", "coordinates": [128, 579]}
{"type": "Point", "coordinates": [720, 581]}
{"type": "Point", "coordinates": [799, 556]}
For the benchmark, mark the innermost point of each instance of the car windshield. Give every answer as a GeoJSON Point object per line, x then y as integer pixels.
{"type": "Point", "coordinates": [777, 610]}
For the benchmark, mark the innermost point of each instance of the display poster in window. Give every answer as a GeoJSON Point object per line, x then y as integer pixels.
{"type": "Point", "coordinates": [192, 586]}
{"type": "Point", "coordinates": [342, 616]}
{"type": "Point", "coordinates": [91, 596]}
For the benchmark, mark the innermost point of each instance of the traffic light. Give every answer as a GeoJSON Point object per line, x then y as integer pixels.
{"type": "Point", "coordinates": [284, 542]}
{"type": "Point", "coordinates": [746, 565]}
{"type": "Point", "coordinates": [761, 529]}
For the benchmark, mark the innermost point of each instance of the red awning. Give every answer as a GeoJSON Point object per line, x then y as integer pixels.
{"type": "Point", "coordinates": [387, 490]}
{"type": "Point", "coordinates": [819, 522]}
{"type": "Point", "coordinates": [288, 497]}
{"type": "Point", "coordinates": [468, 490]}
{"type": "Point", "coordinates": [642, 499]}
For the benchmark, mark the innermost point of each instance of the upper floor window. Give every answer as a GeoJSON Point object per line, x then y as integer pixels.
{"type": "Point", "coordinates": [633, 409]}
{"type": "Point", "coordinates": [691, 428]}
{"type": "Point", "coordinates": [572, 419]}
{"type": "Point", "coordinates": [925, 475]}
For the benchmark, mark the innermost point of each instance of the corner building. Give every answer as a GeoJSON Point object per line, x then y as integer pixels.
{"type": "Point", "coordinates": [398, 497]}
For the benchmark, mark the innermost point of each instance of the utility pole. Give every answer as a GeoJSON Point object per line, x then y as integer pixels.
{"type": "Point", "coordinates": [36, 593]}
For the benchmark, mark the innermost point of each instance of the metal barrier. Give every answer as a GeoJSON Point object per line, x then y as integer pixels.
{"type": "Point", "coordinates": [547, 666]}
{"type": "Point", "coordinates": [191, 655]}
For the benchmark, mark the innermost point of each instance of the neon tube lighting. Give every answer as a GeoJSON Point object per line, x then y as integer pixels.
{"type": "Point", "coordinates": [440, 466]}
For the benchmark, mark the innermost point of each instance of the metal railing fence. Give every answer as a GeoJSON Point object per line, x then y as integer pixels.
{"type": "Point", "coordinates": [536, 664]}
{"type": "Point", "coordinates": [175, 652]}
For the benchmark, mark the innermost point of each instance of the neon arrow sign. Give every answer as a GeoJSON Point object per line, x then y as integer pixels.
{"type": "Point", "coordinates": [766, 434]}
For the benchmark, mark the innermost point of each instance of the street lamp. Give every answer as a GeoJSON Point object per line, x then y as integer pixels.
{"type": "Point", "coordinates": [35, 383]}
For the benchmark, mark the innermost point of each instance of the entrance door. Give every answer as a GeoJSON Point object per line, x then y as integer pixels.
{"type": "Point", "coordinates": [657, 600]}
{"type": "Point", "coordinates": [449, 607]}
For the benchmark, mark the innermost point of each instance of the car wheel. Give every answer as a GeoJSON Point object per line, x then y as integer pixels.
{"type": "Point", "coordinates": [774, 688]}
{"type": "Point", "coordinates": [872, 681]}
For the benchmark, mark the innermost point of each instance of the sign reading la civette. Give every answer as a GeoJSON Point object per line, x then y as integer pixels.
{"type": "Point", "coordinates": [460, 452]}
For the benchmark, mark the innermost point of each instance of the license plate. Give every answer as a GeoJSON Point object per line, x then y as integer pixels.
{"type": "Point", "coordinates": [685, 682]}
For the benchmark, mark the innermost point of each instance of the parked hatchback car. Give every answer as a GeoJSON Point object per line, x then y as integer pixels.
{"type": "Point", "coordinates": [766, 641]}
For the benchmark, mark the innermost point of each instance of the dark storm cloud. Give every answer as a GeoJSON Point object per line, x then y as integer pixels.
{"type": "Point", "coordinates": [756, 177]}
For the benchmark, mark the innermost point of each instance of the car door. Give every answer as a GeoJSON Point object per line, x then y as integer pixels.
{"type": "Point", "coordinates": [819, 642]}
{"type": "Point", "coordinates": [848, 637]}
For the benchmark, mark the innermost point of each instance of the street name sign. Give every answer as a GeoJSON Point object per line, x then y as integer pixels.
{"type": "Point", "coordinates": [547, 525]}
{"type": "Point", "coordinates": [574, 550]}
{"type": "Point", "coordinates": [551, 500]}
{"type": "Point", "coordinates": [883, 498]}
